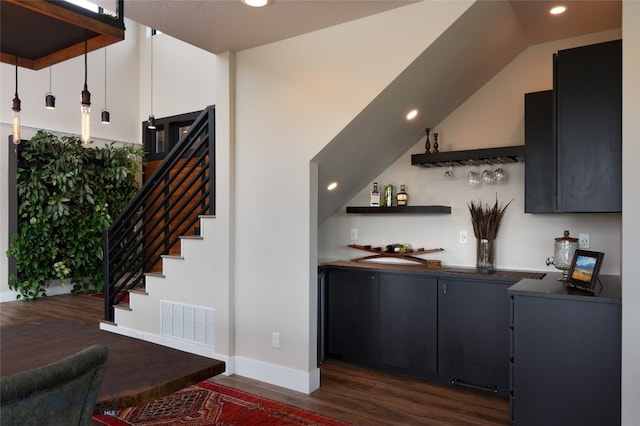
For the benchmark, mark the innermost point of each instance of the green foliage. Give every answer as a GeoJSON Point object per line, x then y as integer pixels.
{"type": "Point", "coordinates": [68, 195]}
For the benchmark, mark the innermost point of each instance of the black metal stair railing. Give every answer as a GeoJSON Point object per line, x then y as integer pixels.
{"type": "Point", "coordinates": [167, 206]}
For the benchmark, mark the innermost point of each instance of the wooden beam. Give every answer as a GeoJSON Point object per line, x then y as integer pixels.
{"type": "Point", "coordinates": [102, 29]}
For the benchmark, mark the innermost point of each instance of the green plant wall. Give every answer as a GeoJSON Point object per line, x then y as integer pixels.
{"type": "Point", "coordinates": [68, 195]}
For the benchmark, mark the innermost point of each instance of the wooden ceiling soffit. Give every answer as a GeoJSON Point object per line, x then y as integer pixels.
{"type": "Point", "coordinates": [41, 33]}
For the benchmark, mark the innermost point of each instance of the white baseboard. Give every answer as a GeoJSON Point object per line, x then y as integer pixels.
{"type": "Point", "coordinates": [297, 380]}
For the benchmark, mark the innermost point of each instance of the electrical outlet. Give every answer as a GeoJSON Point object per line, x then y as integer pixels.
{"type": "Point", "coordinates": [584, 241]}
{"type": "Point", "coordinates": [354, 234]}
{"type": "Point", "coordinates": [464, 237]}
{"type": "Point", "coordinates": [275, 339]}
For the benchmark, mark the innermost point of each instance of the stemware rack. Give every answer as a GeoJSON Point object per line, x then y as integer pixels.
{"type": "Point", "coordinates": [507, 154]}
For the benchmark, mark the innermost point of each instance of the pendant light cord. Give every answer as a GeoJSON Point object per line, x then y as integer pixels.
{"type": "Point", "coordinates": [85, 59]}
{"type": "Point", "coordinates": [152, 71]}
{"type": "Point", "coordinates": [105, 78]}
{"type": "Point", "coordinates": [16, 76]}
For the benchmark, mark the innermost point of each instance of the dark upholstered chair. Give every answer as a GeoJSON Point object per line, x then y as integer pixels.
{"type": "Point", "coordinates": [61, 393]}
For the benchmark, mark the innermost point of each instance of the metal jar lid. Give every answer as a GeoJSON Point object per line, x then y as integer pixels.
{"type": "Point", "coordinates": [566, 237]}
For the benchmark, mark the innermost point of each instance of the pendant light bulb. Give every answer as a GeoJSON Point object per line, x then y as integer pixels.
{"type": "Point", "coordinates": [16, 120]}
{"type": "Point", "coordinates": [16, 112]}
{"type": "Point", "coordinates": [86, 116]}
{"type": "Point", "coordinates": [86, 102]}
{"type": "Point", "coordinates": [105, 116]}
{"type": "Point", "coordinates": [50, 98]}
{"type": "Point", "coordinates": [151, 124]}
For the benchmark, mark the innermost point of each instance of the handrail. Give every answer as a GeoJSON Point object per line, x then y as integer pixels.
{"type": "Point", "coordinates": [166, 207]}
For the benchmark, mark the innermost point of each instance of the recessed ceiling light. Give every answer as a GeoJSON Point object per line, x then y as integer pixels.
{"type": "Point", "coordinates": [332, 186]}
{"type": "Point", "coordinates": [256, 3]}
{"type": "Point", "coordinates": [558, 10]}
{"type": "Point", "coordinates": [412, 114]}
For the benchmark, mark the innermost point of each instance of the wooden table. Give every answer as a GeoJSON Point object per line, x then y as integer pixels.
{"type": "Point", "coordinates": [137, 371]}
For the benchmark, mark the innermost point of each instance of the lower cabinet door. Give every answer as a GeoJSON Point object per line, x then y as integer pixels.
{"type": "Point", "coordinates": [566, 362]}
{"type": "Point", "coordinates": [408, 323]}
{"type": "Point", "coordinates": [473, 333]}
{"type": "Point", "coordinates": [352, 315]}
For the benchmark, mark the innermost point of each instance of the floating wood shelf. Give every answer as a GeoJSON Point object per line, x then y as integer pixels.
{"type": "Point", "coordinates": [411, 256]}
{"type": "Point", "coordinates": [400, 209]}
{"type": "Point", "coordinates": [507, 154]}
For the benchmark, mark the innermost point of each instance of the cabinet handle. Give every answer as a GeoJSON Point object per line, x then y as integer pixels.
{"type": "Point", "coordinates": [444, 288]}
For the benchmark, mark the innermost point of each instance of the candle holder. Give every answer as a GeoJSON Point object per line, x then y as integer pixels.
{"type": "Point", "coordinates": [427, 144]}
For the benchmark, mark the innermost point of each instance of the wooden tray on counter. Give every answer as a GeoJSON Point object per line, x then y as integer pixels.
{"type": "Point", "coordinates": [410, 256]}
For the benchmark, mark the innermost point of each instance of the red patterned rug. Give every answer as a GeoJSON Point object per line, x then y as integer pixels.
{"type": "Point", "coordinates": [207, 404]}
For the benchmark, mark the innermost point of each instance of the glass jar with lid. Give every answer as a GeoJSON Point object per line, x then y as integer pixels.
{"type": "Point", "coordinates": [563, 251]}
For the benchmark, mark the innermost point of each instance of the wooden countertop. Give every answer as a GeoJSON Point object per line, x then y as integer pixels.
{"type": "Point", "coordinates": [136, 372]}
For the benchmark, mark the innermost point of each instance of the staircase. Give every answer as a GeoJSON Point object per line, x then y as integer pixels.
{"type": "Point", "coordinates": [162, 226]}
{"type": "Point", "coordinates": [153, 313]}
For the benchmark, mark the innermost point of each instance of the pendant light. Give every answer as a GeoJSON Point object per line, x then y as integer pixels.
{"type": "Point", "coordinates": [86, 101]}
{"type": "Point", "coordinates": [151, 124]}
{"type": "Point", "coordinates": [105, 115]}
{"type": "Point", "coordinates": [16, 111]}
{"type": "Point", "coordinates": [50, 98]}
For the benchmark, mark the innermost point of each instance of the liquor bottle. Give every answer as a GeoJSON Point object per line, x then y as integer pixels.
{"type": "Point", "coordinates": [402, 197]}
{"type": "Point", "coordinates": [388, 195]}
{"type": "Point", "coordinates": [375, 195]}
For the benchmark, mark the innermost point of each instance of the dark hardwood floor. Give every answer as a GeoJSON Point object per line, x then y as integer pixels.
{"type": "Point", "coordinates": [350, 393]}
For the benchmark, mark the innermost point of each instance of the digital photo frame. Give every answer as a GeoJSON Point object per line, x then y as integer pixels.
{"type": "Point", "coordinates": [584, 269]}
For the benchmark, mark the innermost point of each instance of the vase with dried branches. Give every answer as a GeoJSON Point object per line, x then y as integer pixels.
{"type": "Point", "coordinates": [486, 221]}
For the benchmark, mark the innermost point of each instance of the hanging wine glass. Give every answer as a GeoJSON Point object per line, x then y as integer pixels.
{"type": "Point", "coordinates": [488, 176]}
{"type": "Point", "coordinates": [449, 172]}
{"type": "Point", "coordinates": [473, 177]}
{"type": "Point", "coordinates": [500, 172]}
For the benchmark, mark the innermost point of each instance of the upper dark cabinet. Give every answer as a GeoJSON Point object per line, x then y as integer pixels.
{"type": "Point", "coordinates": [540, 167]}
{"type": "Point", "coordinates": [580, 168]}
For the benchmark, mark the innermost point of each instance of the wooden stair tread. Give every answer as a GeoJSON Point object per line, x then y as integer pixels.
{"type": "Point", "coordinates": [155, 274]}
{"type": "Point", "coordinates": [171, 256]}
{"type": "Point", "coordinates": [124, 306]}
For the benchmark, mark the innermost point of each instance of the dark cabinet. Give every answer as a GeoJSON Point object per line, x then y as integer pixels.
{"type": "Point", "coordinates": [588, 82]}
{"type": "Point", "coordinates": [579, 169]}
{"type": "Point", "coordinates": [540, 167]}
{"type": "Point", "coordinates": [473, 333]}
{"type": "Point", "coordinates": [408, 318]}
{"type": "Point", "coordinates": [454, 330]}
{"type": "Point", "coordinates": [380, 319]}
{"type": "Point", "coordinates": [352, 315]}
{"type": "Point", "coordinates": [566, 361]}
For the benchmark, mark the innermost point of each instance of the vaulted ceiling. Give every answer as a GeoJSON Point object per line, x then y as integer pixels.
{"type": "Point", "coordinates": [500, 29]}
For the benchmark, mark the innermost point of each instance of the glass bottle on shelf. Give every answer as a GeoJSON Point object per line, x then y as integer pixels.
{"type": "Point", "coordinates": [375, 195]}
{"type": "Point", "coordinates": [402, 196]}
{"type": "Point", "coordinates": [388, 195]}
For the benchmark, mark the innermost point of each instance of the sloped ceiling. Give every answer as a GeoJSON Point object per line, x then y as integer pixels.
{"type": "Point", "coordinates": [485, 39]}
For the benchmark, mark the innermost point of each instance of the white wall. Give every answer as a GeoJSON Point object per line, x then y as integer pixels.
{"type": "Point", "coordinates": [184, 76]}
{"type": "Point", "coordinates": [293, 97]}
{"type": "Point", "coordinates": [67, 80]}
{"type": "Point", "coordinates": [492, 117]}
{"type": "Point", "coordinates": [127, 99]}
{"type": "Point", "coordinates": [631, 215]}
